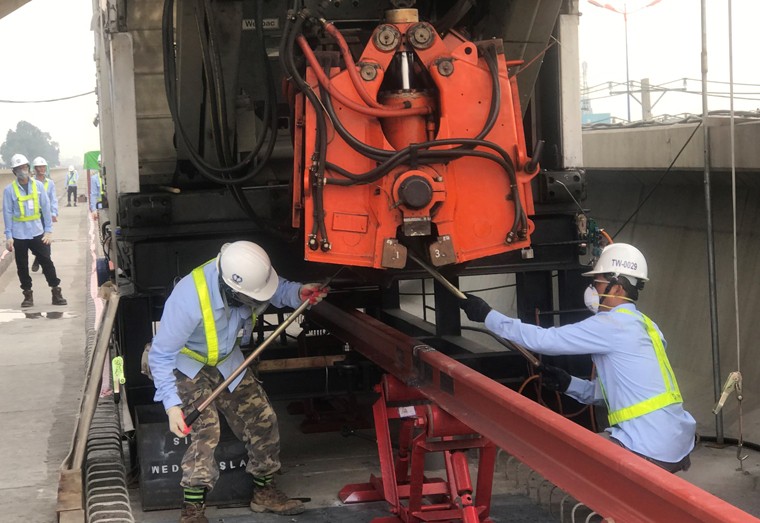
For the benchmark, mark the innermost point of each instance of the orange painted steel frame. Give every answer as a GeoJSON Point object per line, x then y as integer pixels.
{"type": "Point", "coordinates": [609, 479]}
{"type": "Point", "coordinates": [472, 202]}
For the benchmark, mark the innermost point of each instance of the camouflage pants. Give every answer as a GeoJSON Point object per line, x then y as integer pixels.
{"type": "Point", "coordinates": [249, 415]}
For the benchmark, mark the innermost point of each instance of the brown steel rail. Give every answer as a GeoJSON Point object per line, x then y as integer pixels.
{"type": "Point", "coordinates": [612, 481]}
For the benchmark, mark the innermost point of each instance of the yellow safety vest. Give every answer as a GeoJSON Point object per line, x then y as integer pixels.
{"type": "Point", "coordinates": [672, 393]}
{"type": "Point", "coordinates": [36, 215]}
{"type": "Point", "coordinates": [209, 326]}
{"type": "Point", "coordinates": [46, 184]}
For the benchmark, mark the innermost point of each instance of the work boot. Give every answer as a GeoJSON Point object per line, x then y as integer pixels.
{"type": "Point", "coordinates": [193, 513]}
{"type": "Point", "coordinates": [57, 296]}
{"type": "Point", "coordinates": [68, 204]}
{"type": "Point", "coordinates": [35, 265]}
{"type": "Point", "coordinates": [28, 299]}
{"type": "Point", "coordinates": [272, 499]}
{"type": "Point", "coordinates": [75, 204]}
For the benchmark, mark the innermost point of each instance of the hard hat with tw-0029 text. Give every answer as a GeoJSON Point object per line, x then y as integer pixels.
{"type": "Point", "coordinates": [39, 162]}
{"type": "Point", "coordinates": [621, 259]}
{"type": "Point", "coordinates": [18, 160]}
{"type": "Point", "coordinates": [245, 268]}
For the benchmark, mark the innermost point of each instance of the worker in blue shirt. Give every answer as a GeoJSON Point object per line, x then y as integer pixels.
{"type": "Point", "coordinates": [42, 174]}
{"type": "Point", "coordinates": [25, 209]}
{"type": "Point", "coordinates": [96, 193]}
{"type": "Point", "coordinates": [635, 379]}
{"type": "Point", "coordinates": [196, 349]}
{"type": "Point", "coordinates": [72, 179]}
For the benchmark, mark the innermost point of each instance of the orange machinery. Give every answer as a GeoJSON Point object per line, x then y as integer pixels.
{"type": "Point", "coordinates": [417, 144]}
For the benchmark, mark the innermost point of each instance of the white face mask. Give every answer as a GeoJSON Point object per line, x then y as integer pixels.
{"type": "Point", "coordinates": [591, 299]}
{"type": "Point", "coordinates": [22, 173]}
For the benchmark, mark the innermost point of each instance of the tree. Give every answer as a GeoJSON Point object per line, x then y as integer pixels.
{"type": "Point", "coordinates": [31, 142]}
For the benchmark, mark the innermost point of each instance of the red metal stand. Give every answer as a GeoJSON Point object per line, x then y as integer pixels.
{"type": "Point", "coordinates": [424, 427]}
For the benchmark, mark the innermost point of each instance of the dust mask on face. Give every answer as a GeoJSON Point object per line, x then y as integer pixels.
{"type": "Point", "coordinates": [591, 299]}
{"type": "Point", "coordinates": [22, 173]}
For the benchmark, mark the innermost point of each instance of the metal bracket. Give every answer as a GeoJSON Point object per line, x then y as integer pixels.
{"type": "Point", "coordinates": [733, 383]}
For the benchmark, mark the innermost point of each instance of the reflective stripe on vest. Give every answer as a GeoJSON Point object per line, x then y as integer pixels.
{"type": "Point", "coordinates": [209, 326]}
{"type": "Point", "coordinates": [46, 184]}
{"type": "Point", "coordinates": [672, 393]}
{"type": "Point", "coordinates": [70, 178]}
{"type": "Point", "coordinates": [22, 203]}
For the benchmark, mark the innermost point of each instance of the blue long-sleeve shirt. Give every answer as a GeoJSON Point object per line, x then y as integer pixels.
{"type": "Point", "coordinates": [182, 326]}
{"type": "Point", "coordinates": [96, 191]}
{"type": "Point", "coordinates": [627, 366]}
{"type": "Point", "coordinates": [30, 229]}
{"type": "Point", "coordinates": [52, 197]}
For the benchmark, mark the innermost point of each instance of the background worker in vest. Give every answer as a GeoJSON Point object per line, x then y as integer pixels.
{"type": "Point", "coordinates": [646, 413]}
{"type": "Point", "coordinates": [195, 349]}
{"type": "Point", "coordinates": [42, 174]}
{"type": "Point", "coordinates": [96, 193]}
{"type": "Point", "coordinates": [25, 209]}
{"type": "Point", "coordinates": [72, 178]}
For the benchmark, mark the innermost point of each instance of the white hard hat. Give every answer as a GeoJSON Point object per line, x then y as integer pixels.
{"type": "Point", "coordinates": [18, 160]}
{"type": "Point", "coordinates": [39, 162]}
{"type": "Point", "coordinates": [621, 259]}
{"type": "Point", "coordinates": [245, 268]}
{"type": "Point", "coordinates": [98, 158]}
{"type": "Point", "coordinates": [71, 168]}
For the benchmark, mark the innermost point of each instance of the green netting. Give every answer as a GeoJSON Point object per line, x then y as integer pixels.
{"type": "Point", "coordinates": [91, 160]}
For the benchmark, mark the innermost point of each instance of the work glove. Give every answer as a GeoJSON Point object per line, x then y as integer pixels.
{"type": "Point", "coordinates": [47, 238]}
{"type": "Point", "coordinates": [9, 244]}
{"type": "Point", "coordinates": [177, 421]}
{"type": "Point", "coordinates": [554, 378]}
{"type": "Point", "coordinates": [314, 292]}
{"type": "Point", "coordinates": [474, 307]}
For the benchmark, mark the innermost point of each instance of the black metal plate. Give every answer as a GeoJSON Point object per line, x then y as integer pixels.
{"type": "Point", "coordinates": [160, 453]}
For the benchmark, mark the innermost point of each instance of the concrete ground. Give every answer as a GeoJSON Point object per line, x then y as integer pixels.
{"type": "Point", "coordinates": [41, 372]}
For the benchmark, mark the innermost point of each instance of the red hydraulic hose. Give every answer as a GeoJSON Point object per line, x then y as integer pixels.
{"type": "Point", "coordinates": [324, 81]}
{"type": "Point", "coordinates": [351, 66]}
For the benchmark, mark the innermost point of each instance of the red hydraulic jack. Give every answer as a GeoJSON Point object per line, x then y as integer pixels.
{"type": "Point", "coordinates": [424, 427]}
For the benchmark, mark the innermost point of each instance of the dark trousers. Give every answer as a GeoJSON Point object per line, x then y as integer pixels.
{"type": "Point", "coordinates": [37, 260]}
{"type": "Point", "coordinates": [684, 464]}
{"type": "Point", "coordinates": [72, 189]}
{"type": "Point", "coordinates": [21, 250]}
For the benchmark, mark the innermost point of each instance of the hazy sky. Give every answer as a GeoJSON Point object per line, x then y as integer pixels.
{"type": "Point", "coordinates": [47, 52]}
{"type": "Point", "coordinates": [665, 44]}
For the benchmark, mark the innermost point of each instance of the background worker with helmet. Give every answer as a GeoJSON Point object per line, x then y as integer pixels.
{"type": "Point", "coordinates": [72, 178]}
{"type": "Point", "coordinates": [635, 379]}
{"type": "Point", "coordinates": [25, 203]}
{"type": "Point", "coordinates": [96, 191]}
{"type": "Point", "coordinates": [42, 175]}
{"type": "Point", "coordinates": [196, 348]}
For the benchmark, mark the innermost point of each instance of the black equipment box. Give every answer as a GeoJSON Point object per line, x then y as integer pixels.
{"type": "Point", "coordinates": [161, 453]}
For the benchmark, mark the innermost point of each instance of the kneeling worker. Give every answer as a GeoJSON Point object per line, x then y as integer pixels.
{"type": "Point", "coordinates": [195, 350]}
{"type": "Point", "coordinates": [646, 413]}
